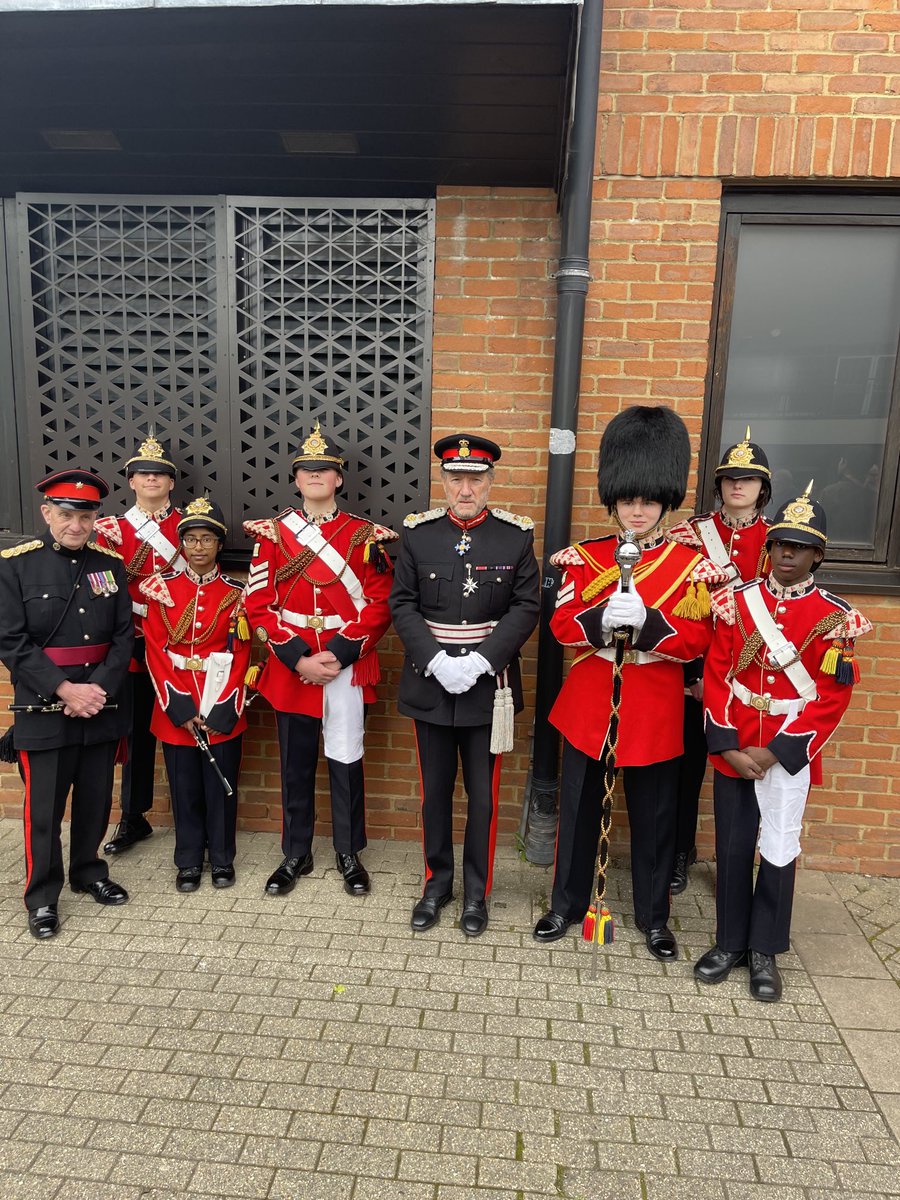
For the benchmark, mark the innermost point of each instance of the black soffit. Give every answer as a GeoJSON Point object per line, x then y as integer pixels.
{"type": "Point", "coordinates": [415, 96]}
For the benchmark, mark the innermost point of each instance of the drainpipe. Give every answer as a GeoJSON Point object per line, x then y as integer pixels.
{"type": "Point", "coordinates": [572, 280]}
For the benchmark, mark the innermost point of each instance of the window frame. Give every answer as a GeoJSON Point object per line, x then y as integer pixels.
{"type": "Point", "coordinates": [853, 571]}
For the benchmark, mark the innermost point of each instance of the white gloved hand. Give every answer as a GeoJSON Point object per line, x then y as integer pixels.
{"type": "Point", "coordinates": [451, 673]}
{"type": "Point", "coordinates": [624, 609]}
{"type": "Point", "coordinates": [479, 664]}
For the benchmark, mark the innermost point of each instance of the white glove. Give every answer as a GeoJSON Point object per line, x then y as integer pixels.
{"type": "Point", "coordinates": [475, 665]}
{"type": "Point", "coordinates": [624, 609]}
{"type": "Point", "coordinates": [451, 673]}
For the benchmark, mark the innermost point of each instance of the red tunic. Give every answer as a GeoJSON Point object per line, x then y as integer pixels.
{"type": "Point", "coordinates": [141, 560]}
{"type": "Point", "coordinates": [300, 602]}
{"type": "Point", "coordinates": [812, 620]}
{"type": "Point", "coordinates": [650, 726]}
{"type": "Point", "coordinates": [214, 603]}
{"type": "Point", "coordinates": [746, 545]}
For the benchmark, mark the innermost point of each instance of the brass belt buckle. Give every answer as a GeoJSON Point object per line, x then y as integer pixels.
{"type": "Point", "coordinates": [315, 622]}
{"type": "Point", "coordinates": [193, 664]}
{"type": "Point", "coordinates": [760, 703]}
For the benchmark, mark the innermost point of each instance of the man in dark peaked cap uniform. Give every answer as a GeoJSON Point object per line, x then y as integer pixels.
{"type": "Point", "coordinates": [66, 636]}
{"type": "Point", "coordinates": [146, 536]}
{"type": "Point", "coordinates": [465, 600]}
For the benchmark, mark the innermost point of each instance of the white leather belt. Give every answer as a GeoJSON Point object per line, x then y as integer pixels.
{"type": "Point", "coordinates": [314, 621]}
{"type": "Point", "coordinates": [766, 704]}
{"type": "Point", "coordinates": [139, 610]}
{"type": "Point", "coordinates": [461, 635]}
{"type": "Point", "coordinates": [635, 658]}
{"type": "Point", "coordinates": [188, 664]}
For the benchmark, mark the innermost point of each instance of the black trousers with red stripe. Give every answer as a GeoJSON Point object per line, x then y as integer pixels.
{"type": "Point", "coordinates": [205, 817]}
{"type": "Point", "coordinates": [651, 799]}
{"type": "Point", "coordinates": [49, 775]}
{"type": "Point", "coordinates": [441, 748]}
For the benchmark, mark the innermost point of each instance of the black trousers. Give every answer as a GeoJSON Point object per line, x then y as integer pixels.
{"type": "Point", "coordinates": [691, 772]}
{"type": "Point", "coordinates": [205, 817]}
{"type": "Point", "coordinates": [441, 748]}
{"type": "Point", "coordinates": [298, 741]}
{"type": "Point", "coordinates": [747, 916]}
{"type": "Point", "coordinates": [138, 771]}
{"type": "Point", "coordinates": [650, 797]}
{"type": "Point", "coordinates": [48, 776]}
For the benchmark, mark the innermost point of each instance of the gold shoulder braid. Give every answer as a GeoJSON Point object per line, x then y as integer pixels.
{"type": "Point", "coordinates": [177, 632]}
{"type": "Point", "coordinates": [753, 642]}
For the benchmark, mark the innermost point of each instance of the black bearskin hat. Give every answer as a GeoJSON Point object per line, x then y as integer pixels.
{"type": "Point", "coordinates": [645, 451]}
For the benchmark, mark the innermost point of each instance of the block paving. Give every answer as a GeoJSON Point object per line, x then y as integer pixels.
{"type": "Point", "coordinates": [228, 1044]}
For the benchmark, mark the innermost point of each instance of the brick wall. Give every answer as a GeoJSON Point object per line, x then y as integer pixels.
{"type": "Point", "coordinates": [692, 95]}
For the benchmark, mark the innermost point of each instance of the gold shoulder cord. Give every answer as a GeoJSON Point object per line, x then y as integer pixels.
{"type": "Point", "coordinates": [177, 632]}
{"type": "Point", "coordinates": [300, 562]}
{"type": "Point", "coordinates": [753, 642]}
{"type": "Point", "coordinates": [133, 569]}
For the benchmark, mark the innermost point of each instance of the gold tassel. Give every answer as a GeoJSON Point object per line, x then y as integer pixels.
{"type": "Point", "coordinates": [243, 628]}
{"type": "Point", "coordinates": [830, 661]}
{"type": "Point", "coordinates": [252, 676]}
{"type": "Point", "coordinates": [704, 606]}
{"type": "Point", "coordinates": [606, 934]}
{"type": "Point", "coordinates": [687, 605]}
{"type": "Point", "coordinates": [603, 580]}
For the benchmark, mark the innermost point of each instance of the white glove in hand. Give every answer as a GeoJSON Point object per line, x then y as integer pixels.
{"type": "Point", "coordinates": [451, 673]}
{"type": "Point", "coordinates": [624, 609]}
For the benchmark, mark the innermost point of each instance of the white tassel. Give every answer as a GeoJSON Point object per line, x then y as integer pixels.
{"type": "Point", "coordinates": [503, 720]}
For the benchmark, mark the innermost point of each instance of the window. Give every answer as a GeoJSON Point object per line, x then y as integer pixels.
{"type": "Point", "coordinates": [805, 352]}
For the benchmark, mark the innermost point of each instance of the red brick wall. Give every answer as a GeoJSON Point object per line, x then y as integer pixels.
{"type": "Point", "coordinates": [692, 95]}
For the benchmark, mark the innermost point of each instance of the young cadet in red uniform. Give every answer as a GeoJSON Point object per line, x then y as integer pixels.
{"type": "Point", "coordinates": [198, 652]}
{"type": "Point", "coordinates": [66, 637]}
{"type": "Point", "coordinates": [317, 595]}
{"type": "Point", "coordinates": [465, 600]}
{"type": "Point", "coordinates": [734, 538]}
{"type": "Point", "coordinates": [146, 536]}
{"type": "Point", "coordinates": [779, 677]}
{"type": "Point", "coordinates": [644, 461]}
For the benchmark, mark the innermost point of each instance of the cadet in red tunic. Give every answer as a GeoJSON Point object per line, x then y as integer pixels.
{"type": "Point", "coordinates": [644, 461]}
{"type": "Point", "coordinates": [146, 536]}
{"type": "Point", "coordinates": [317, 595]}
{"type": "Point", "coordinates": [198, 652]}
{"type": "Point", "coordinates": [734, 538]}
{"type": "Point", "coordinates": [779, 677]}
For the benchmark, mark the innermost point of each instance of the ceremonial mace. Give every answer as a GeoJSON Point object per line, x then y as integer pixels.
{"type": "Point", "coordinates": [598, 924]}
{"type": "Point", "coordinates": [202, 741]}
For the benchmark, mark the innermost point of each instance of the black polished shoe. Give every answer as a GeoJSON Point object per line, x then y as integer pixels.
{"type": "Point", "coordinates": [356, 877]}
{"type": "Point", "coordinates": [551, 927]}
{"type": "Point", "coordinates": [222, 877]}
{"type": "Point", "coordinates": [765, 978]}
{"type": "Point", "coordinates": [680, 871]}
{"type": "Point", "coordinates": [660, 942]}
{"type": "Point", "coordinates": [104, 891]}
{"type": "Point", "coordinates": [129, 831]}
{"type": "Point", "coordinates": [474, 919]}
{"type": "Point", "coordinates": [188, 879]}
{"type": "Point", "coordinates": [43, 922]}
{"type": "Point", "coordinates": [282, 880]}
{"type": "Point", "coordinates": [427, 911]}
{"type": "Point", "coordinates": [716, 964]}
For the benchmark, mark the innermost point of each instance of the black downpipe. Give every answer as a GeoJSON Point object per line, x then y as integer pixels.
{"type": "Point", "coordinates": [572, 280]}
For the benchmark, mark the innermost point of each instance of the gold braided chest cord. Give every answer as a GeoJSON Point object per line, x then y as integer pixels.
{"type": "Point", "coordinates": [298, 564]}
{"type": "Point", "coordinates": [133, 569]}
{"type": "Point", "coordinates": [753, 642]}
{"type": "Point", "coordinates": [177, 632]}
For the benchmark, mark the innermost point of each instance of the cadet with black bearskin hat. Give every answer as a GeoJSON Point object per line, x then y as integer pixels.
{"type": "Point", "coordinates": [779, 677]}
{"type": "Point", "coordinates": [146, 536]}
{"type": "Point", "coordinates": [464, 602]}
{"type": "Point", "coordinates": [66, 636]}
{"type": "Point", "coordinates": [198, 652]}
{"type": "Point", "coordinates": [734, 538]}
{"type": "Point", "coordinates": [644, 461]}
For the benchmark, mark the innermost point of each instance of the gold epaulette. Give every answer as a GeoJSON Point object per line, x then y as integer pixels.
{"type": "Point", "coordinates": [15, 551]}
{"type": "Point", "coordinates": [105, 550]}
{"type": "Point", "coordinates": [511, 519]}
{"type": "Point", "coordinates": [414, 519]}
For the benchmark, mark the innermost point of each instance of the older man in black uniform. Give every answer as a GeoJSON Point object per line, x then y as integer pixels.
{"type": "Point", "coordinates": [464, 601]}
{"type": "Point", "coordinates": [66, 636]}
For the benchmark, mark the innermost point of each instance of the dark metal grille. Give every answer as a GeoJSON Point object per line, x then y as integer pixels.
{"type": "Point", "coordinates": [228, 327]}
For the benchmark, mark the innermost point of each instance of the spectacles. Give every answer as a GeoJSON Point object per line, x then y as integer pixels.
{"type": "Point", "coordinates": [206, 540]}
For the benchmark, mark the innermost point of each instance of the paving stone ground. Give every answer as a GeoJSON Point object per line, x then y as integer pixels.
{"type": "Point", "coordinates": [228, 1044]}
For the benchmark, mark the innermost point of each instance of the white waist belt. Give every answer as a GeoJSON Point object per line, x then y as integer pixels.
{"type": "Point", "coordinates": [188, 664]}
{"type": "Point", "coordinates": [766, 704]}
{"type": "Point", "coordinates": [636, 658]}
{"type": "Point", "coordinates": [461, 635]}
{"type": "Point", "coordinates": [139, 609]}
{"type": "Point", "coordinates": [314, 621]}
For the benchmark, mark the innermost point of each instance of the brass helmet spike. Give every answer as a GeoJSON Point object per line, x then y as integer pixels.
{"type": "Point", "coordinates": [747, 434]}
{"type": "Point", "coordinates": [809, 488]}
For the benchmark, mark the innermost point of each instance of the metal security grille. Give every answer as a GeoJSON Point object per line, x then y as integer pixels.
{"type": "Point", "coordinates": [228, 326]}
